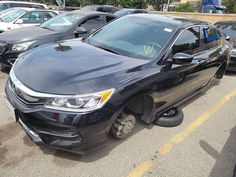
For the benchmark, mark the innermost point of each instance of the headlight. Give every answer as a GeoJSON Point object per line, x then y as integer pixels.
{"type": "Point", "coordinates": [80, 103]}
{"type": "Point", "coordinates": [22, 46]}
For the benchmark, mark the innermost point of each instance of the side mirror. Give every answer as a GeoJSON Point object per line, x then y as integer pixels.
{"type": "Point", "coordinates": [182, 58]}
{"type": "Point", "coordinates": [227, 38]}
{"type": "Point", "coordinates": [19, 21]}
{"type": "Point", "coordinates": [80, 30]}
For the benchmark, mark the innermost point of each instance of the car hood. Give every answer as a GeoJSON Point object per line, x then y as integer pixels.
{"type": "Point", "coordinates": [25, 34]}
{"type": "Point", "coordinates": [74, 67]}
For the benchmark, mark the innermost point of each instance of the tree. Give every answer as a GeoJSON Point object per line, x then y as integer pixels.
{"type": "Point", "coordinates": [185, 7]}
{"type": "Point", "coordinates": [230, 6]}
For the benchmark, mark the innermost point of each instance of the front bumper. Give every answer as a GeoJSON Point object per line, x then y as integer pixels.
{"type": "Point", "coordinates": [75, 132]}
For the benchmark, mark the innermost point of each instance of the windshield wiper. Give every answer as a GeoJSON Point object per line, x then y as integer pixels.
{"type": "Point", "coordinates": [107, 49]}
{"type": "Point", "coordinates": [46, 28]}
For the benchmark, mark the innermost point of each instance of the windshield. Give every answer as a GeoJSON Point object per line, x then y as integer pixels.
{"type": "Point", "coordinates": [12, 15]}
{"type": "Point", "coordinates": [139, 38]}
{"type": "Point", "coordinates": [227, 28]}
{"type": "Point", "coordinates": [62, 22]}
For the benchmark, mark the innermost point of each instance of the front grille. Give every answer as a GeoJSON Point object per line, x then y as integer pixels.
{"type": "Point", "coordinates": [26, 98]}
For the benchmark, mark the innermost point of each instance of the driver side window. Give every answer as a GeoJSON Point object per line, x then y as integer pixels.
{"type": "Point", "coordinates": [188, 42]}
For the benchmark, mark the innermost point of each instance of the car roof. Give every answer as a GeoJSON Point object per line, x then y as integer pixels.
{"type": "Point", "coordinates": [101, 5]}
{"type": "Point", "coordinates": [43, 10]}
{"type": "Point", "coordinates": [22, 2]}
{"type": "Point", "coordinates": [181, 22]}
{"type": "Point", "coordinates": [88, 12]}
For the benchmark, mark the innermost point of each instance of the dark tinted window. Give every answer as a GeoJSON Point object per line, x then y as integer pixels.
{"type": "Point", "coordinates": [187, 42]}
{"type": "Point", "coordinates": [92, 23]}
{"type": "Point", "coordinates": [211, 37]}
{"type": "Point", "coordinates": [109, 18]}
{"type": "Point", "coordinates": [100, 9]}
{"type": "Point", "coordinates": [48, 15]}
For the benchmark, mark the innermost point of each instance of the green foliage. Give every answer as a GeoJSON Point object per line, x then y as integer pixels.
{"type": "Point", "coordinates": [230, 6]}
{"type": "Point", "coordinates": [185, 7]}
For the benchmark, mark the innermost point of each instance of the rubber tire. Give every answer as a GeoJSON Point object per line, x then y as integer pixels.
{"type": "Point", "coordinates": [167, 121]}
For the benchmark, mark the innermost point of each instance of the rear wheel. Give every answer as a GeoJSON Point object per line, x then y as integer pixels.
{"type": "Point", "coordinates": [123, 126]}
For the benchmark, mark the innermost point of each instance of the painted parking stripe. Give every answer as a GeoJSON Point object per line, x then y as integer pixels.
{"type": "Point", "coordinates": [140, 170]}
{"type": "Point", "coordinates": [2, 94]}
{"type": "Point", "coordinates": [181, 136]}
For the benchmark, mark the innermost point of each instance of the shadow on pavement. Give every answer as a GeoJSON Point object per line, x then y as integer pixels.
{"type": "Point", "coordinates": [5, 70]}
{"type": "Point", "coordinates": [226, 159]}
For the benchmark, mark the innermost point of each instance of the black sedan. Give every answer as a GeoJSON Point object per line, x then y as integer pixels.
{"type": "Point", "coordinates": [229, 30]}
{"type": "Point", "coordinates": [65, 26]}
{"type": "Point", "coordinates": [70, 95]}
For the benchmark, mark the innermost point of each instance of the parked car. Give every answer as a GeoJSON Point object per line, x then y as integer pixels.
{"type": "Point", "coordinates": [125, 11]}
{"type": "Point", "coordinates": [71, 94]}
{"type": "Point", "coordinates": [20, 17]}
{"type": "Point", "coordinates": [229, 30]}
{"type": "Point", "coordinates": [10, 4]}
{"type": "Point", "coordinates": [64, 26]}
{"type": "Point", "coordinates": [101, 8]}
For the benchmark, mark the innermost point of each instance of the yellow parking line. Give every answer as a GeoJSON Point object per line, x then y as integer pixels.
{"type": "Point", "coordinates": [2, 94]}
{"type": "Point", "coordinates": [141, 169]}
{"type": "Point", "coordinates": [177, 139]}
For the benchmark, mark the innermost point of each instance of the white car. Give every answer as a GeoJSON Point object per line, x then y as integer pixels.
{"type": "Point", "coordinates": [11, 4]}
{"type": "Point", "coordinates": [25, 17]}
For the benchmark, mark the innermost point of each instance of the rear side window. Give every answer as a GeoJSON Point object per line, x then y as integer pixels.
{"type": "Point", "coordinates": [188, 42]}
{"type": "Point", "coordinates": [211, 37]}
